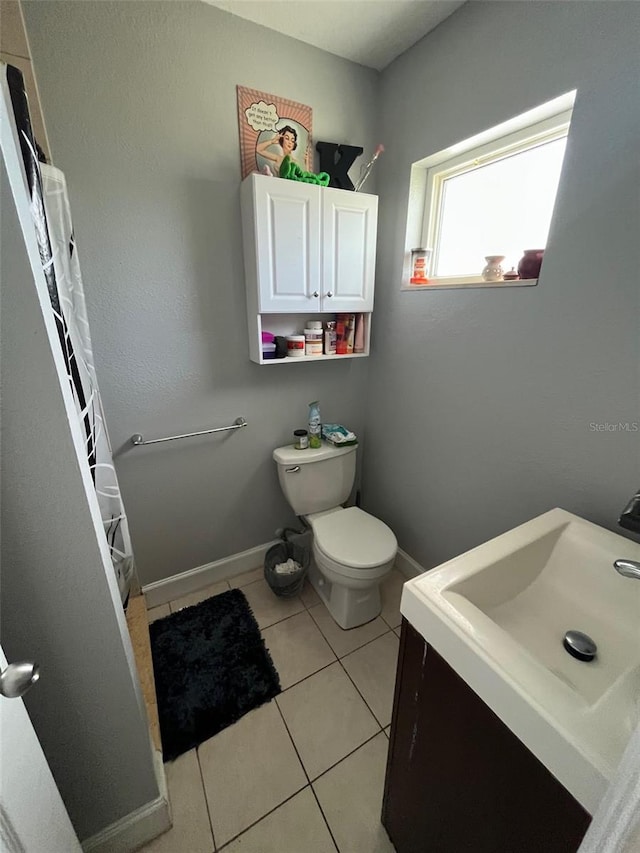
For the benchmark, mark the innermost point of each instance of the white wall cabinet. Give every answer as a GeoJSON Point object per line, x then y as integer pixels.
{"type": "Point", "coordinates": [307, 250]}
{"type": "Point", "coordinates": [349, 229]}
{"type": "Point", "coordinates": [286, 219]}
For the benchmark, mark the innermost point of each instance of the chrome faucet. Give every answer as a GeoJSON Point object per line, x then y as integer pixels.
{"type": "Point", "coordinates": [628, 568]}
{"type": "Point", "coordinates": [630, 520]}
{"type": "Point", "coordinates": [630, 517]}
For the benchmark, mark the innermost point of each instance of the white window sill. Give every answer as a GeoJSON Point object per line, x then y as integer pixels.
{"type": "Point", "coordinates": [446, 284]}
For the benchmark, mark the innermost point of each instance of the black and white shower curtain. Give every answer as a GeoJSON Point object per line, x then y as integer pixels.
{"type": "Point", "coordinates": [59, 257]}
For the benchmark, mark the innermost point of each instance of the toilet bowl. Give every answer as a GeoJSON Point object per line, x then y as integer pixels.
{"type": "Point", "coordinates": [352, 551]}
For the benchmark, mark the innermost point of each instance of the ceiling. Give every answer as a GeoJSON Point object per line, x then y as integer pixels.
{"type": "Point", "coordinates": [370, 32]}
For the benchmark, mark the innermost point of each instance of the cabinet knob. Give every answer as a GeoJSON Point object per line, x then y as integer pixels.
{"type": "Point", "coordinates": [329, 294]}
{"type": "Point", "coordinates": [315, 294]}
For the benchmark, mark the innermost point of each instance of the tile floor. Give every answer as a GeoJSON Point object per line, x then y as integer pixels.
{"type": "Point", "coordinates": [305, 772]}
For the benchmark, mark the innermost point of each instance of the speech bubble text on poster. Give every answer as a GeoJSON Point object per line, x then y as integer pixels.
{"type": "Point", "coordinates": [262, 116]}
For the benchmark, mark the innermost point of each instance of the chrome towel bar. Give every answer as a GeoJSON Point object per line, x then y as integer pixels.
{"type": "Point", "coordinates": [138, 440]}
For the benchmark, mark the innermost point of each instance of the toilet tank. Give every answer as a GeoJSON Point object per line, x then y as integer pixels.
{"type": "Point", "coordinates": [316, 480]}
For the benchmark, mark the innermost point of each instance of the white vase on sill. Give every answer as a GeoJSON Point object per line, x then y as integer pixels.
{"type": "Point", "coordinates": [493, 270]}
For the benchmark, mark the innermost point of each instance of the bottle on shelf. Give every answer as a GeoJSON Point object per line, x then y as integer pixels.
{"type": "Point", "coordinates": [313, 338]}
{"type": "Point", "coordinates": [358, 339]}
{"type": "Point", "coordinates": [330, 338]}
{"type": "Point", "coordinates": [295, 346]}
{"type": "Point", "coordinates": [420, 265]}
{"type": "Point", "coordinates": [345, 324]}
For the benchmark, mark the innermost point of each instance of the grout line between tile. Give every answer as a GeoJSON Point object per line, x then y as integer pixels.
{"type": "Point", "coordinates": [351, 650]}
{"type": "Point", "coordinates": [371, 711]}
{"type": "Point", "coordinates": [337, 660]}
{"type": "Point", "coordinates": [324, 817]}
{"type": "Point", "coordinates": [233, 577]}
{"type": "Point", "coordinates": [315, 672]}
{"type": "Point", "coordinates": [293, 616]}
{"type": "Point", "coordinates": [206, 799]}
{"type": "Point", "coordinates": [391, 627]}
{"type": "Point", "coordinates": [293, 743]}
{"type": "Point", "coordinates": [278, 621]}
{"type": "Point", "coordinates": [348, 755]}
{"type": "Point", "coordinates": [311, 674]}
{"type": "Point", "coordinates": [304, 787]}
{"type": "Point", "coordinates": [295, 793]}
{"type": "Point", "coordinates": [266, 814]}
{"type": "Point", "coordinates": [284, 618]}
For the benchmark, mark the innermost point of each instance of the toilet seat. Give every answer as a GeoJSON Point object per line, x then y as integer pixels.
{"type": "Point", "coordinates": [353, 539]}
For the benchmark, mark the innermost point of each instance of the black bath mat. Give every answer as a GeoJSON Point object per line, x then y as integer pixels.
{"type": "Point", "coordinates": [211, 667]}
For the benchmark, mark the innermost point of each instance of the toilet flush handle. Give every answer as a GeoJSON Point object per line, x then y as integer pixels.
{"type": "Point", "coordinates": [293, 470]}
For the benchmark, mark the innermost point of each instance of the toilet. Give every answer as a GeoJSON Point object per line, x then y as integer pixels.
{"type": "Point", "coordinates": [352, 551]}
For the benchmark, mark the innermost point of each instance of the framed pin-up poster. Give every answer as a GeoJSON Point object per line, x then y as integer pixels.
{"type": "Point", "coordinates": [271, 128]}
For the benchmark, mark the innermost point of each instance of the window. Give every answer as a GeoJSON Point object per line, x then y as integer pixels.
{"type": "Point", "coordinates": [497, 204]}
{"type": "Point", "coordinates": [491, 195]}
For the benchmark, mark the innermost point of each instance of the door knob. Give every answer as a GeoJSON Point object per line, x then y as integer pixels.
{"type": "Point", "coordinates": [315, 294]}
{"type": "Point", "coordinates": [329, 294]}
{"type": "Point", "coordinates": [17, 678]}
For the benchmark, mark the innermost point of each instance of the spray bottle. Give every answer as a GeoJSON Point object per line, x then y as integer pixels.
{"type": "Point", "coordinates": [315, 425]}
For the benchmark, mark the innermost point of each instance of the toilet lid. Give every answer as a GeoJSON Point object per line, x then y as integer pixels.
{"type": "Point", "coordinates": [354, 538]}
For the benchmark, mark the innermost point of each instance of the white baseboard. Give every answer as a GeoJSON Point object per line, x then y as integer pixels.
{"type": "Point", "coordinates": [407, 565]}
{"type": "Point", "coordinates": [165, 590]}
{"type": "Point", "coordinates": [161, 778]}
{"type": "Point", "coordinates": [132, 831]}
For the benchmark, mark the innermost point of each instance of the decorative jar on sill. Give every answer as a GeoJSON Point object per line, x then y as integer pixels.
{"type": "Point", "coordinates": [530, 263]}
{"type": "Point", "coordinates": [493, 270]}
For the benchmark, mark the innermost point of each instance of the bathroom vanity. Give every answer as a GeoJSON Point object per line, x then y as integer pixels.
{"type": "Point", "coordinates": [501, 740]}
{"type": "Point", "coordinates": [458, 779]}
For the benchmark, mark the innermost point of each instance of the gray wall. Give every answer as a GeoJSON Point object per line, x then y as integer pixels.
{"type": "Point", "coordinates": [57, 605]}
{"type": "Point", "coordinates": [140, 104]}
{"type": "Point", "coordinates": [490, 393]}
{"type": "Point", "coordinates": [487, 394]}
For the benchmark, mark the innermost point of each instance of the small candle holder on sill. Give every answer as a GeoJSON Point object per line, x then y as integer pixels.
{"type": "Point", "coordinates": [493, 270]}
{"type": "Point", "coordinates": [420, 259]}
{"type": "Point", "coordinates": [511, 275]}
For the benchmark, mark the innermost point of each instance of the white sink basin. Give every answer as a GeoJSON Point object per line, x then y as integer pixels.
{"type": "Point", "coordinates": [498, 615]}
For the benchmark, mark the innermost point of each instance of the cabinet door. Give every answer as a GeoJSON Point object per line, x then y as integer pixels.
{"type": "Point", "coordinates": [458, 779]}
{"type": "Point", "coordinates": [349, 244]}
{"type": "Point", "coordinates": [287, 227]}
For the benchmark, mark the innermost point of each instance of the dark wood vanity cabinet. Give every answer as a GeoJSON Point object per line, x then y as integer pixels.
{"type": "Point", "coordinates": [458, 779]}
